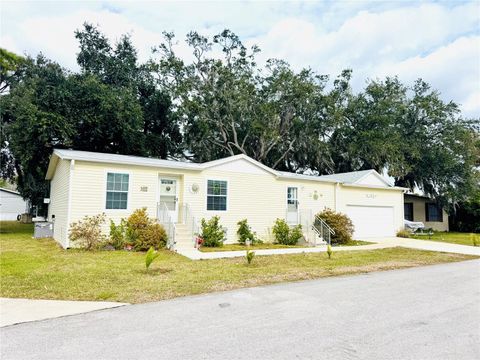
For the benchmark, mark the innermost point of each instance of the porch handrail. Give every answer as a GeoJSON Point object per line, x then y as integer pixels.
{"type": "Point", "coordinates": [323, 229]}
{"type": "Point", "coordinates": [188, 219]}
{"type": "Point", "coordinates": [164, 218]}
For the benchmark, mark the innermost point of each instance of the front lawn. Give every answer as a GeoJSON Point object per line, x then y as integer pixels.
{"type": "Point", "coordinates": [40, 269]}
{"type": "Point", "coordinates": [450, 237]}
{"type": "Point", "coordinates": [266, 246]}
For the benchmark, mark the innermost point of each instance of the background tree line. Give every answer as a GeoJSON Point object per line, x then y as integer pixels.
{"type": "Point", "coordinates": [224, 103]}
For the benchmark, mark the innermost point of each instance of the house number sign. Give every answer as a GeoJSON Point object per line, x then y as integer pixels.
{"type": "Point", "coordinates": [371, 196]}
{"type": "Point", "coordinates": [144, 188]}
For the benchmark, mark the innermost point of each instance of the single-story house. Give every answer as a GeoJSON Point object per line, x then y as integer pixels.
{"type": "Point", "coordinates": [423, 209]}
{"type": "Point", "coordinates": [179, 194]}
{"type": "Point", "coordinates": [11, 205]}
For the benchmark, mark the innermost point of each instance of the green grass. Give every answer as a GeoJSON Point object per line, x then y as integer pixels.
{"type": "Point", "coordinates": [450, 237]}
{"type": "Point", "coordinates": [265, 246]}
{"type": "Point", "coordinates": [40, 269]}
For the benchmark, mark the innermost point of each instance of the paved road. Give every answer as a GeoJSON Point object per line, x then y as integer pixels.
{"type": "Point", "coordinates": [422, 313]}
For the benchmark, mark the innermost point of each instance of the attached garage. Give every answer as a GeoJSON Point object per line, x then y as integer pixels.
{"type": "Point", "coordinates": [372, 221]}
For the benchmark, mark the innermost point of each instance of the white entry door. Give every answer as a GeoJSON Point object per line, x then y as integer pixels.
{"type": "Point", "coordinates": [372, 221]}
{"type": "Point", "coordinates": [169, 196]}
{"type": "Point", "coordinates": [292, 205]}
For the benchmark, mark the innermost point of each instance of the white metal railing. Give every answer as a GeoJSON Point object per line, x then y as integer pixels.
{"type": "Point", "coordinates": [164, 218]}
{"type": "Point", "coordinates": [322, 229]}
{"type": "Point", "coordinates": [189, 220]}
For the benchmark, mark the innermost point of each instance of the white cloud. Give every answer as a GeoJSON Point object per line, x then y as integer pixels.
{"type": "Point", "coordinates": [436, 41]}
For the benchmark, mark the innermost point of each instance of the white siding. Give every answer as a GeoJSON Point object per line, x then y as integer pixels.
{"type": "Point", "coordinates": [59, 192]}
{"type": "Point", "coordinates": [11, 205]}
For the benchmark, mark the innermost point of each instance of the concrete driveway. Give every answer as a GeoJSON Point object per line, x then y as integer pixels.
{"type": "Point", "coordinates": [427, 245]}
{"type": "Point", "coordinates": [15, 311]}
{"type": "Point", "coordinates": [430, 312]}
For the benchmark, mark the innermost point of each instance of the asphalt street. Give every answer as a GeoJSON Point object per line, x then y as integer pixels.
{"type": "Point", "coordinates": [430, 312]}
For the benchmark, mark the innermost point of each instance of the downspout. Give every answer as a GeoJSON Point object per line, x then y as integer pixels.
{"type": "Point", "coordinates": [335, 196]}
{"type": "Point", "coordinates": [69, 201]}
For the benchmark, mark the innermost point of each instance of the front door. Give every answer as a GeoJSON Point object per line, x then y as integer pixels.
{"type": "Point", "coordinates": [169, 196]}
{"type": "Point", "coordinates": [292, 205]}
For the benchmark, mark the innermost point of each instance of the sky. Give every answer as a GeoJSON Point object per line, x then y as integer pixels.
{"type": "Point", "coordinates": [438, 41]}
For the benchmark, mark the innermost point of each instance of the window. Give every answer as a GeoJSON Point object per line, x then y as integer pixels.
{"type": "Point", "coordinates": [117, 191]}
{"type": "Point", "coordinates": [433, 212]}
{"type": "Point", "coordinates": [217, 195]}
{"type": "Point", "coordinates": [408, 211]}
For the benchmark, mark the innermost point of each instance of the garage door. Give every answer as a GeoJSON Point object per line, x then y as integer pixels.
{"type": "Point", "coordinates": [371, 221]}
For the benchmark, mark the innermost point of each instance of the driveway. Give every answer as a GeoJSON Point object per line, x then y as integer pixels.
{"type": "Point", "coordinates": [428, 312]}
{"type": "Point", "coordinates": [14, 311]}
{"type": "Point", "coordinates": [427, 245]}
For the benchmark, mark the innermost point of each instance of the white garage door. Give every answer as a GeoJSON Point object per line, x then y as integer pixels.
{"type": "Point", "coordinates": [371, 221]}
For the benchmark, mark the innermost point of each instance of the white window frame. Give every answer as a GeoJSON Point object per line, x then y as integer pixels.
{"type": "Point", "coordinates": [105, 179]}
{"type": "Point", "coordinates": [207, 195]}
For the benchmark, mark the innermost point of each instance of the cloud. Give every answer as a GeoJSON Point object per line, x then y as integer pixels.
{"type": "Point", "coordinates": [436, 41]}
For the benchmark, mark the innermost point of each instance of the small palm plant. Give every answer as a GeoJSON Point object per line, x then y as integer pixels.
{"type": "Point", "coordinates": [474, 239]}
{"type": "Point", "coordinates": [151, 255]}
{"type": "Point", "coordinates": [249, 256]}
{"type": "Point", "coordinates": [329, 251]}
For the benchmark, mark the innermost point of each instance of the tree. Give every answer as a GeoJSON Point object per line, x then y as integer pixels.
{"type": "Point", "coordinates": [230, 105]}
{"type": "Point", "coordinates": [117, 66]}
{"type": "Point", "coordinates": [10, 64]}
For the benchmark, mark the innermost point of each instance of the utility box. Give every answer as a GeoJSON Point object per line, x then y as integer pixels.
{"type": "Point", "coordinates": [43, 229]}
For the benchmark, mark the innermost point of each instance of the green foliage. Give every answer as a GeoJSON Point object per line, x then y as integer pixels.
{"type": "Point", "coordinates": [150, 256]}
{"type": "Point", "coordinates": [245, 233]}
{"type": "Point", "coordinates": [287, 119]}
{"type": "Point", "coordinates": [118, 234]}
{"type": "Point", "coordinates": [212, 233]}
{"type": "Point", "coordinates": [249, 256]}
{"type": "Point", "coordinates": [404, 233]}
{"type": "Point", "coordinates": [284, 234]}
{"type": "Point", "coordinates": [465, 216]}
{"type": "Point", "coordinates": [475, 240]}
{"type": "Point", "coordinates": [340, 223]}
{"type": "Point", "coordinates": [87, 233]}
{"type": "Point", "coordinates": [144, 232]}
{"type": "Point", "coordinates": [329, 251]}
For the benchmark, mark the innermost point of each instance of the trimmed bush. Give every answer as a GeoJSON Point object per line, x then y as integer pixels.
{"type": "Point", "coordinates": [284, 234]}
{"type": "Point", "coordinates": [143, 232]}
{"type": "Point", "coordinates": [245, 233]}
{"type": "Point", "coordinates": [403, 233]}
{"type": "Point", "coordinates": [212, 234]}
{"type": "Point", "coordinates": [87, 233]}
{"type": "Point", "coordinates": [340, 223]}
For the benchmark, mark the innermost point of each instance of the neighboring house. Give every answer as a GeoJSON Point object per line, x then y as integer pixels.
{"type": "Point", "coordinates": [11, 205]}
{"type": "Point", "coordinates": [235, 188]}
{"type": "Point", "coordinates": [423, 209]}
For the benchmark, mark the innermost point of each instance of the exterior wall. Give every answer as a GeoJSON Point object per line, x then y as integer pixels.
{"type": "Point", "coordinates": [364, 196]}
{"type": "Point", "coordinates": [59, 192]}
{"type": "Point", "coordinates": [11, 205]}
{"type": "Point", "coordinates": [255, 195]}
{"type": "Point", "coordinates": [419, 213]}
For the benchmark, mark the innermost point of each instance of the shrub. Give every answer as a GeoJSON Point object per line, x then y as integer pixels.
{"type": "Point", "coordinates": [143, 232]}
{"type": "Point", "coordinates": [154, 235]}
{"type": "Point", "coordinates": [213, 235]}
{"type": "Point", "coordinates": [87, 233]}
{"type": "Point", "coordinates": [118, 234]}
{"type": "Point", "coordinates": [249, 256]}
{"type": "Point", "coordinates": [403, 233]}
{"type": "Point", "coordinates": [150, 256]}
{"type": "Point", "coordinates": [280, 231]}
{"type": "Point", "coordinates": [284, 234]}
{"type": "Point", "coordinates": [245, 233]}
{"type": "Point", "coordinates": [340, 223]}
{"type": "Point", "coordinates": [295, 235]}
